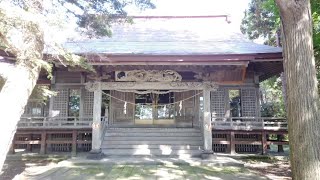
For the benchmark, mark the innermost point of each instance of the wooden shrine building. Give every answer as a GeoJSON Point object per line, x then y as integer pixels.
{"type": "Point", "coordinates": [163, 86]}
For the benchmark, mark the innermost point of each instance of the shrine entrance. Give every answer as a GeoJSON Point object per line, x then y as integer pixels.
{"type": "Point", "coordinates": [154, 108]}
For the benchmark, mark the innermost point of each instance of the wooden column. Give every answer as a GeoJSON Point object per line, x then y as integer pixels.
{"type": "Point", "coordinates": [11, 150]}
{"type": "Point", "coordinates": [74, 142]}
{"type": "Point", "coordinates": [207, 129]}
{"type": "Point", "coordinates": [29, 145]}
{"type": "Point", "coordinates": [43, 143]}
{"type": "Point", "coordinates": [232, 143]}
{"type": "Point", "coordinates": [96, 124]}
{"type": "Point", "coordinates": [264, 142]}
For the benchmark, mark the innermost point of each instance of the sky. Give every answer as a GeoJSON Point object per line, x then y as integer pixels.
{"type": "Point", "coordinates": [234, 8]}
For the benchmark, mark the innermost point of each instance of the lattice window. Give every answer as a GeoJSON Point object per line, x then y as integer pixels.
{"type": "Point", "coordinates": [218, 100]}
{"type": "Point", "coordinates": [88, 104]}
{"type": "Point", "coordinates": [35, 109]}
{"type": "Point", "coordinates": [249, 102]}
{"type": "Point", "coordinates": [60, 103]}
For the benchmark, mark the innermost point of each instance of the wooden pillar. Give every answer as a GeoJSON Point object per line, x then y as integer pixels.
{"type": "Point", "coordinates": [96, 124]}
{"type": "Point", "coordinates": [264, 142]}
{"type": "Point", "coordinates": [11, 150]}
{"type": "Point", "coordinates": [82, 97]}
{"type": "Point", "coordinates": [29, 145]}
{"type": "Point", "coordinates": [232, 143]}
{"type": "Point", "coordinates": [43, 142]}
{"type": "Point", "coordinates": [207, 128]}
{"type": "Point", "coordinates": [74, 142]}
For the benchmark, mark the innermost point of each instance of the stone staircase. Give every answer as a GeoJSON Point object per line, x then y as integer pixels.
{"type": "Point", "coordinates": [184, 142]}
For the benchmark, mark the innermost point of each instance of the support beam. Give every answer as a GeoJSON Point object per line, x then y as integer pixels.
{"type": "Point", "coordinates": [264, 142]}
{"type": "Point", "coordinates": [43, 147]}
{"type": "Point", "coordinates": [74, 142]}
{"type": "Point", "coordinates": [11, 150]}
{"type": "Point", "coordinates": [96, 124]}
{"type": "Point", "coordinates": [207, 129]}
{"type": "Point", "coordinates": [232, 143]}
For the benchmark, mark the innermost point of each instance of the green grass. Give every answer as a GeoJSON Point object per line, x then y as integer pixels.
{"type": "Point", "coordinates": [126, 171]}
{"type": "Point", "coordinates": [260, 158]}
{"type": "Point", "coordinates": [44, 158]}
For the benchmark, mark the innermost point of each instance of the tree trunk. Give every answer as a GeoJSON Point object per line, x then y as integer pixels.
{"type": "Point", "coordinates": [280, 137]}
{"type": "Point", "coordinates": [13, 98]}
{"type": "Point", "coordinates": [302, 91]}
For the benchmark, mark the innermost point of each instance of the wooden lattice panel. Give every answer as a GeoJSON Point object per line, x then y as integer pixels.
{"type": "Point", "coordinates": [220, 136]}
{"type": "Point", "coordinates": [218, 103]}
{"type": "Point", "coordinates": [88, 104]}
{"type": "Point", "coordinates": [247, 148]}
{"type": "Point", "coordinates": [247, 137]}
{"type": "Point", "coordinates": [60, 103]}
{"type": "Point", "coordinates": [60, 147]}
{"type": "Point", "coordinates": [86, 147]}
{"type": "Point", "coordinates": [249, 102]}
{"type": "Point", "coordinates": [61, 136]}
{"type": "Point", "coordinates": [219, 148]}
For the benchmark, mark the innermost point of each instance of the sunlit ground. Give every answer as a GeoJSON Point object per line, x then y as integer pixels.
{"type": "Point", "coordinates": [165, 172]}
{"type": "Point", "coordinates": [62, 167]}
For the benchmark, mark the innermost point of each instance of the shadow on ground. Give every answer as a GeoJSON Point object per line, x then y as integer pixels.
{"type": "Point", "coordinates": [130, 168]}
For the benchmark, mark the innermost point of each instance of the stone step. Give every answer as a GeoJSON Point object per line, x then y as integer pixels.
{"type": "Point", "coordinates": [153, 130]}
{"type": "Point", "coordinates": [153, 134]}
{"type": "Point", "coordinates": [152, 146]}
{"type": "Point", "coordinates": [152, 142]}
{"type": "Point", "coordinates": [151, 152]}
{"type": "Point", "coordinates": [152, 138]}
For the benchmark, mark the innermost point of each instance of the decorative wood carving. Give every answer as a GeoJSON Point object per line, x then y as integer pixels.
{"type": "Point", "coordinates": [95, 77]}
{"type": "Point", "coordinates": [92, 86]}
{"type": "Point", "coordinates": [209, 85]}
{"type": "Point", "coordinates": [148, 76]}
{"type": "Point", "coordinates": [203, 76]}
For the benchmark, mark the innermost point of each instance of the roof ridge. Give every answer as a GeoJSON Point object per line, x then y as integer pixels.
{"type": "Point", "coordinates": [226, 16]}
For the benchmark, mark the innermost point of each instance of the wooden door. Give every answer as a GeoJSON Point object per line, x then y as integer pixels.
{"type": "Point", "coordinates": [185, 109]}
{"type": "Point", "coordinates": [122, 108]}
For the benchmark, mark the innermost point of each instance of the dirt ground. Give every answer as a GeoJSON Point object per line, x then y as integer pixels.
{"type": "Point", "coordinates": [15, 165]}
{"type": "Point", "coordinates": [270, 166]}
{"type": "Point", "coordinates": [263, 166]}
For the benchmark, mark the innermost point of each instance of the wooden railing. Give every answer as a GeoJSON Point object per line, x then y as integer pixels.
{"type": "Point", "coordinates": [55, 122]}
{"type": "Point", "coordinates": [249, 123]}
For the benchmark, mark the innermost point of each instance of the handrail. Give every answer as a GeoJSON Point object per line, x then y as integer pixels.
{"type": "Point", "coordinates": [55, 122]}
{"type": "Point", "coordinates": [249, 123]}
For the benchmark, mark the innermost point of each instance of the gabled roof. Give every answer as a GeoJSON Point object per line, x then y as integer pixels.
{"type": "Point", "coordinates": [173, 36]}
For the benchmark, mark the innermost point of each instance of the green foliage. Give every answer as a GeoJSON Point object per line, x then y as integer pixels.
{"type": "Point", "coordinates": [272, 104]}
{"type": "Point", "coordinates": [42, 93]}
{"type": "Point", "coordinates": [261, 20]}
{"type": "Point", "coordinates": [29, 21]}
{"type": "Point", "coordinates": [74, 103]}
{"type": "Point", "coordinates": [2, 81]}
{"type": "Point", "coordinates": [24, 27]}
{"type": "Point", "coordinates": [97, 16]}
